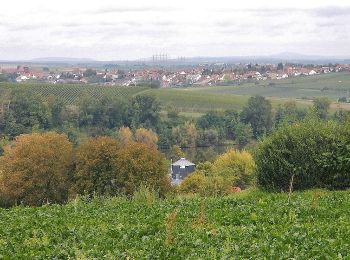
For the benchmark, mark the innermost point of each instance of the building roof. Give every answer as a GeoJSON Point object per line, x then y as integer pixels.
{"type": "Point", "coordinates": [183, 163]}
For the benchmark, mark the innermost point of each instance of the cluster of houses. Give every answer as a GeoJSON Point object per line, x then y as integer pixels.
{"type": "Point", "coordinates": [197, 75]}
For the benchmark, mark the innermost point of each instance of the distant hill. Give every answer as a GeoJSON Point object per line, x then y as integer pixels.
{"type": "Point", "coordinates": [274, 58]}
{"type": "Point", "coordinates": [62, 60]}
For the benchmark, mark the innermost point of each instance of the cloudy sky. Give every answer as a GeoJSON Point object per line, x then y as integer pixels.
{"type": "Point", "coordinates": [114, 29]}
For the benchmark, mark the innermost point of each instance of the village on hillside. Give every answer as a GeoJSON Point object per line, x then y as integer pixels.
{"type": "Point", "coordinates": [162, 76]}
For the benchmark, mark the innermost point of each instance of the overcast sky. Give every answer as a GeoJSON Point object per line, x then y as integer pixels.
{"type": "Point", "coordinates": [113, 29]}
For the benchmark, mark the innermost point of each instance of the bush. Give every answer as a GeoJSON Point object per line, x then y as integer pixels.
{"type": "Point", "coordinates": [216, 186]}
{"type": "Point", "coordinates": [236, 166]}
{"type": "Point", "coordinates": [35, 169]}
{"type": "Point", "coordinates": [316, 153]}
{"type": "Point", "coordinates": [145, 196]}
{"type": "Point", "coordinates": [194, 183]}
{"type": "Point", "coordinates": [233, 168]}
{"type": "Point", "coordinates": [96, 166]}
{"type": "Point", "coordinates": [212, 185]}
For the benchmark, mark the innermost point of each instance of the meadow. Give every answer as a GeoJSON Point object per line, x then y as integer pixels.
{"type": "Point", "coordinates": [246, 225]}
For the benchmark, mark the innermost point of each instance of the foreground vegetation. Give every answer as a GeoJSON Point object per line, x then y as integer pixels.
{"type": "Point", "coordinates": [255, 225]}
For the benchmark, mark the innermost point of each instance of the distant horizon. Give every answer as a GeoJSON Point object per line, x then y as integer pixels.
{"type": "Point", "coordinates": [282, 56]}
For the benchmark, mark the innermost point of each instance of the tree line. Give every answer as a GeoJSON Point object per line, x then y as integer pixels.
{"type": "Point", "coordinates": [92, 117]}
{"type": "Point", "coordinates": [44, 168]}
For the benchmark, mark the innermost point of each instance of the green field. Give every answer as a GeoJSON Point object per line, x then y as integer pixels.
{"type": "Point", "coordinates": [332, 85]}
{"type": "Point", "coordinates": [193, 101]}
{"type": "Point", "coordinates": [250, 225]}
{"type": "Point", "coordinates": [71, 93]}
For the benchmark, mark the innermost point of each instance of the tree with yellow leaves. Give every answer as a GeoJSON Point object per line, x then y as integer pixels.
{"type": "Point", "coordinates": [146, 136]}
{"type": "Point", "coordinates": [96, 167]}
{"type": "Point", "coordinates": [125, 135]}
{"type": "Point", "coordinates": [140, 165]}
{"type": "Point", "coordinates": [236, 166]}
{"type": "Point", "coordinates": [35, 169]}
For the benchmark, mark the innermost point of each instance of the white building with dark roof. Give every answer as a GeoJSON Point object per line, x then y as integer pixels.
{"type": "Point", "coordinates": [180, 170]}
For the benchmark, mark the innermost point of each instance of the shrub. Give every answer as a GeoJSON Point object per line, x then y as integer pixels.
{"type": "Point", "coordinates": [144, 195]}
{"type": "Point", "coordinates": [216, 186]}
{"type": "Point", "coordinates": [193, 183]}
{"type": "Point", "coordinates": [233, 168]}
{"type": "Point", "coordinates": [96, 166]}
{"type": "Point", "coordinates": [212, 185]}
{"type": "Point", "coordinates": [205, 168]}
{"type": "Point", "coordinates": [316, 153]}
{"type": "Point", "coordinates": [35, 169]}
{"type": "Point", "coordinates": [236, 166]}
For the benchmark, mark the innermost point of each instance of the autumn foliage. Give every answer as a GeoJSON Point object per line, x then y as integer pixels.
{"type": "Point", "coordinates": [105, 168]}
{"type": "Point", "coordinates": [96, 166]}
{"type": "Point", "coordinates": [231, 169]}
{"type": "Point", "coordinates": [35, 169]}
{"type": "Point", "coordinates": [138, 165]}
{"type": "Point", "coordinates": [142, 135]}
{"type": "Point", "coordinates": [42, 168]}
{"type": "Point", "coordinates": [238, 166]}
{"type": "Point", "coordinates": [146, 136]}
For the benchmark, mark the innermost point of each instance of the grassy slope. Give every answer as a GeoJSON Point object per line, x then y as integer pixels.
{"type": "Point", "coordinates": [248, 225]}
{"type": "Point", "coordinates": [332, 85]}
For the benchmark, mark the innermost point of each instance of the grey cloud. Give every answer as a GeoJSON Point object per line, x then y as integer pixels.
{"type": "Point", "coordinates": [330, 11]}
{"type": "Point", "coordinates": [261, 11]}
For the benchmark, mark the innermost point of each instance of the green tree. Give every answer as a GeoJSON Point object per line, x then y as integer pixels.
{"type": "Point", "coordinates": [56, 107]}
{"type": "Point", "coordinates": [212, 119]}
{"type": "Point", "coordinates": [26, 111]}
{"type": "Point", "coordinates": [208, 137]}
{"type": "Point", "coordinates": [244, 133]}
{"type": "Point", "coordinates": [289, 113]}
{"type": "Point", "coordinates": [280, 66]}
{"type": "Point", "coordinates": [258, 113]}
{"type": "Point", "coordinates": [145, 112]}
{"type": "Point", "coordinates": [106, 112]}
{"type": "Point", "coordinates": [321, 106]}
{"type": "Point", "coordinates": [89, 73]}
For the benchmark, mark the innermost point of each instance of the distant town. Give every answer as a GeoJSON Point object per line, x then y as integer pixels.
{"type": "Point", "coordinates": [162, 76]}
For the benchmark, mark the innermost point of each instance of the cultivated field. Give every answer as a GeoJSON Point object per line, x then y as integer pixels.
{"type": "Point", "coordinates": [193, 101]}
{"type": "Point", "coordinates": [250, 225]}
{"type": "Point", "coordinates": [332, 85]}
